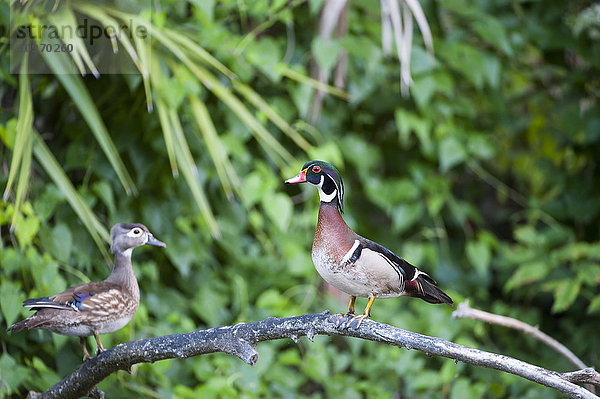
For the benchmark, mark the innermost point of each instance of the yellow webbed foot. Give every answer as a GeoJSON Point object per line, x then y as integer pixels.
{"type": "Point", "coordinates": [360, 319]}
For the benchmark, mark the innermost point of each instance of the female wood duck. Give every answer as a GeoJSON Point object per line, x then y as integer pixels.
{"type": "Point", "coordinates": [98, 307]}
{"type": "Point", "coordinates": [351, 263]}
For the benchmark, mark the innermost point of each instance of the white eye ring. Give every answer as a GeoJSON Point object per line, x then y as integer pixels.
{"type": "Point", "coordinates": [135, 232]}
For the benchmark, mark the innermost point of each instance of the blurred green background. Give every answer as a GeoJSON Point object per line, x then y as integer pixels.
{"type": "Point", "coordinates": [487, 176]}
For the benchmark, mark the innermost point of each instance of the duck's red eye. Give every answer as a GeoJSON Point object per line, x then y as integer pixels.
{"type": "Point", "coordinates": [316, 169]}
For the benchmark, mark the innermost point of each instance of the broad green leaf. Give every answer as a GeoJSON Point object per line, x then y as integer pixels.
{"type": "Point", "coordinates": [62, 240]}
{"type": "Point", "coordinates": [26, 228]}
{"type": "Point", "coordinates": [12, 374]}
{"type": "Point", "coordinates": [46, 202]}
{"type": "Point", "coordinates": [463, 388]}
{"type": "Point", "coordinates": [264, 54]}
{"type": "Point", "coordinates": [435, 203]}
{"type": "Point", "coordinates": [565, 294]}
{"type": "Point", "coordinates": [255, 187]}
{"type": "Point", "coordinates": [594, 306]}
{"type": "Point", "coordinates": [279, 209]}
{"type": "Point", "coordinates": [472, 63]}
{"type": "Point", "coordinates": [406, 215]}
{"type": "Point", "coordinates": [10, 300]}
{"type": "Point", "coordinates": [493, 31]}
{"type": "Point", "coordinates": [43, 268]}
{"type": "Point", "coordinates": [326, 53]}
{"type": "Point", "coordinates": [481, 147]}
{"type": "Point", "coordinates": [10, 259]}
{"type": "Point", "coordinates": [8, 133]}
{"type": "Point", "coordinates": [425, 87]}
{"type": "Point", "coordinates": [479, 255]}
{"type": "Point", "coordinates": [527, 273]}
{"type": "Point", "coordinates": [451, 153]}
{"type": "Point", "coordinates": [421, 61]}
{"type": "Point", "coordinates": [407, 123]}
{"type": "Point", "coordinates": [527, 235]}
{"type": "Point", "coordinates": [426, 379]}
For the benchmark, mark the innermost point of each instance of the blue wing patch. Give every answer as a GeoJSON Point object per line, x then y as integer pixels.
{"type": "Point", "coordinates": [77, 302]}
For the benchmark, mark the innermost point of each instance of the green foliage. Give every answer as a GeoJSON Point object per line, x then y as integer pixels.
{"type": "Point", "coordinates": [486, 177]}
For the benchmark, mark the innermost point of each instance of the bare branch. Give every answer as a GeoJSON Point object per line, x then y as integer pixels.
{"type": "Point", "coordinates": [464, 310]}
{"type": "Point", "coordinates": [240, 340]}
{"type": "Point", "coordinates": [587, 376]}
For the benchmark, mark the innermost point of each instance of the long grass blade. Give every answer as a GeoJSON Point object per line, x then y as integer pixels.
{"type": "Point", "coordinates": [83, 101]}
{"type": "Point", "coordinates": [301, 78]}
{"type": "Point", "coordinates": [272, 18]}
{"type": "Point", "coordinates": [107, 21]}
{"type": "Point", "coordinates": [66, 18]}
{"type": "Point", "coordinates": [215, 147]}
{"type": "Point", "coordinates": [140, 57]}
{"type": "Point", "coordinates": [255, 99]}
{"type": "Point", "coordinates": [144, 50]}
{"type": "Point", "coordinates": [273, 148]}
{"type": "Point", "coordinates": [199, 53]}
{"type": "Point", "coordinates": [168, 135]}
{"type": "Point", "coordinates": [24, 124]}
{"type": "Point", "coordinates": [190, 173]}
{"type": "Point", "coordinates": [97, 231]}
{"type": "Point", "coordinates": [279, 154]}
{"type": "Point", "coordinates": [141, 54]}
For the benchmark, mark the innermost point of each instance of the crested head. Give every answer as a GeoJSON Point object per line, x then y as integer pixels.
{"type": "Point", "coordinates": [326, 178]}
{"type": "Point", "coordinates": [126, 236]}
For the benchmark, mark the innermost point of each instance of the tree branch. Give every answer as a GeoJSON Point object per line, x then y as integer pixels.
{"type": "Point", "coordinates": [464, 310]}
{"type": "Point", "coordinates": [240, 340]}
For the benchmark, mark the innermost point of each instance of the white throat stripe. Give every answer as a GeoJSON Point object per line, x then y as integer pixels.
{"type": "Point", "coordinates": [322, 196]}
{"type": "Point", "coordinates": [350, 252]}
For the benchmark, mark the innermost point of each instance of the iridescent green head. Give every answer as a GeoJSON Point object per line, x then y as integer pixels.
{"type": "Point", "coordinates": [326, 178]}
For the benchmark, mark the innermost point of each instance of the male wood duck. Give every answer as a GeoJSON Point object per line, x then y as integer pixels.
{"type": "Point", "coordinates": [351, 263]}
{"type": "Point", "coordinates": [98, 307]}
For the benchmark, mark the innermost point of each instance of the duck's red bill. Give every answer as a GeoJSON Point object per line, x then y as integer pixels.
{"type": "Point", "coordinates": [299, 178]}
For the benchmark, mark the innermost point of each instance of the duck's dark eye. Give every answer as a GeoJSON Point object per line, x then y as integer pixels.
{"type": "Point", "coordinates": [137, 231]}
{"type": "Point", "coordinates": [316, 169]}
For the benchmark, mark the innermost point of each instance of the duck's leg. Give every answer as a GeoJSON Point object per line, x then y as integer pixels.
{"type": "Point", "coordinates": [367, 313]}
{"type": "Point", "coordinates": [86, 354]}
{"type": "Point", "coordinates": [351, 305]}
{"type": "Point", "coordinates": [100, 348]}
